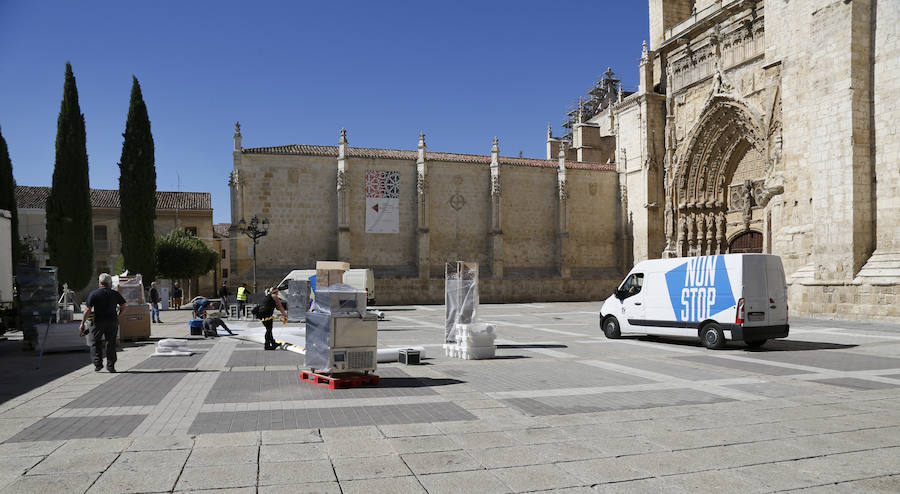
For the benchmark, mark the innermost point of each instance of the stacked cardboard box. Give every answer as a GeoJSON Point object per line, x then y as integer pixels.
{"type": "Point", "coordinates": [330, 272]}
{"type": "Point", "coordinates": [134, 322]}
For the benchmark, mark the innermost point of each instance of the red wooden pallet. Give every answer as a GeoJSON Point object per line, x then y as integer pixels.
{"type": "Point", "coordinates": [337, 381]}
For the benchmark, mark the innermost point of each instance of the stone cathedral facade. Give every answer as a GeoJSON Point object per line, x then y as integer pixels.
{"type": "Point", "coordinates": [758, 126]}
{"type": "Point", "coordinates": [762, 126]}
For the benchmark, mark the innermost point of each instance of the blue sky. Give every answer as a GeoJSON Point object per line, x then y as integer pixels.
{"type": "Point", "coordinates": [296, 72]}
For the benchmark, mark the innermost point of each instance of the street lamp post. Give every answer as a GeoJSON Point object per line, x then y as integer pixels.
{"type": "Point", "coordinates": [256, 230]}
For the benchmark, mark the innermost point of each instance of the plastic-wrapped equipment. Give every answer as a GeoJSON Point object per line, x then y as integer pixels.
{"type": "Point", "coordinates": [131, 288]}
{"type": "Point", "coordinates": [297, 299]}
{"type": "Point", "coordinates": [461, 296]}
{"type": "Point", "coordinates": [340, 299]}
{"type": "Point", "coordinates": [37, 293]}
{"type": "Point", "coordinates": [171, 347]}
{"type": "Point", "coordinates": [473, 342]}
{"type": "Point", "coordinates": [340, 335]}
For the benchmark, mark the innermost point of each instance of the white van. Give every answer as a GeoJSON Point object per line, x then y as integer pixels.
{"type": "Point", "coordinates": [740, 297]}
{"type": "Point", "coordinates": [298, 275]}
{"type": "Point", "coordinates": [362, 279]}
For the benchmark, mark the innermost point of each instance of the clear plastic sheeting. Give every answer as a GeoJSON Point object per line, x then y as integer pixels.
{"type": "Point", "coordinates": [340, 335]}
{"type": "Point", "coordinates": [461, 296]}
{"type": "Point", "coordinates": [339, 298]}
{"type": "Point", "coordinates": [297, 299]}
{"type": "Point", "coordinates": [318, 340]}
{"type": "Point", "coordinates": [473, 342]}
{"type": "Point", "coordinates": [172, 347]}
{"type": "Point", "coordinates": [131, 288]}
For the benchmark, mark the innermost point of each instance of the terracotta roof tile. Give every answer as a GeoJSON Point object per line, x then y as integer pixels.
{"type": "Point", "coordinates": [36, 198]}
{"type": "Point", "coordinates": [404, 154]}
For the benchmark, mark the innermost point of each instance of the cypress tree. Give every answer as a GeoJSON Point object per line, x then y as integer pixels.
{"type": "Point", "coordinates": [69, 230]}
{"type": "Point", "coordinates": [137, 189]}
{"type": "Point", "coordinates": [8, 195]}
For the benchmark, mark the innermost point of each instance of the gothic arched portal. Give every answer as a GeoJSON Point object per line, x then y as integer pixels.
{"type": "Point", "coordinates": [717, 178]}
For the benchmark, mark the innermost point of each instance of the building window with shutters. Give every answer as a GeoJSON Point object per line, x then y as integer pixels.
{"type": "Point", "coordinates": [101, 239]}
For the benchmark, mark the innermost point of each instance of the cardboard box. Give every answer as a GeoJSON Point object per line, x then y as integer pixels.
{"type": "Point", "coordinates": [330, 272]}
{"type": "Point", "coordinates": [134, 322]}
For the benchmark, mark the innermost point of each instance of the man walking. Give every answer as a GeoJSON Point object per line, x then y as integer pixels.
{"type": "Point", "coordinates": [223, 292]}
{"type": "Point", "coordinates": [242, 299]}
{"type": "Point", "coordinates": [103, 307]}
{"type": "Point", "coordinates": [266, 311]}
{"type": "Point", "coordinates": [154, 303]}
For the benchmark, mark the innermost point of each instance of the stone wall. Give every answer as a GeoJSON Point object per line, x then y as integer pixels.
{"type": "Point", "coordinates": [298, 193]}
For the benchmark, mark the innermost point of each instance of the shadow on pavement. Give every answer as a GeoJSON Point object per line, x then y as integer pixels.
{"type": "Point", "coordinates": [797, 346]}
{"type": "Point", "coordinates": [532, 346]}
{"type": "Point", "coordinates": [734, 346]}
{"type": "Point", "coordinates": [415, 382]}
{"type": "Point", "coordinates": [17, 368]}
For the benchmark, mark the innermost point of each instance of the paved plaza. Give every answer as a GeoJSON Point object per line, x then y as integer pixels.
{"type": "Point", "coordinates": [560, 409]}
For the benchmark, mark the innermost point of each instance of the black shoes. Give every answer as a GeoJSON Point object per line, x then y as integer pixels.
{"type": "Point", "coordinates": [111, 369]}
{"type": "Point", "coordinates": [98, 368]}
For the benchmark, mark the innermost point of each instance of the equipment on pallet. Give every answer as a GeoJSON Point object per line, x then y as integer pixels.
{"type": "Point", "coordinates": [340, 335]}
{"type": "Point", "coordinates": [340, 381]}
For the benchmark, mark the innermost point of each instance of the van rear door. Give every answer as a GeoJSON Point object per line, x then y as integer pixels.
{"type": "Point", "coordinates": [778, 305]}
{"type": "Point", "coordinates": [755, 290]}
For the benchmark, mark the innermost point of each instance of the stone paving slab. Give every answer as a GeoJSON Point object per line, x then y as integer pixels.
{"type": "Point", "coordinates": [262, 420]}
{"type": "Point", "coordinates": [849, 382]}
{"type": "Point", "coordinates": [173, 362]}
{"type": "Point", "coordinates": [654, 418]}
{"type": "Point", "coordinates": [130, 390]}
{"type": "Point", "coordinates": [536, 375]}
{"type": "Point", "coordinates": [79, 427]}
{"type": "Point", "coordinates": [829, 359]}
{"type": "Point", "coordinates": [563, 405]}
{"type": "Point", "coordinates": [260, 357]}
{"type": "Point", "coordinates": [273, 386]}
{"type": "Point", "coordinates": [752, 367]}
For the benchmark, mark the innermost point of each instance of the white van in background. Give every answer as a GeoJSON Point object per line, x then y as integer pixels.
{"type": "Point", "coordinates": [739, 297]}
{"type": "Point", "coordinates": [362, 279]}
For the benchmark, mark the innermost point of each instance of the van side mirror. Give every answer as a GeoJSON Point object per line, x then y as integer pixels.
{"type": "Point", "coordinates": [620, 294]}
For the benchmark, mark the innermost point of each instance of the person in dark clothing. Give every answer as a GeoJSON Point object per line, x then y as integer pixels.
{"type": "Point", "coordinates": [212, 324]}
{"type": "Point", "coordinates": [266, 311]}
{"type": "Point", "coordinates": [223, 291]}
{"type": "Point", "coordinates": [103, 307]}
{"type": "Point", "coordinates": [154, 303]}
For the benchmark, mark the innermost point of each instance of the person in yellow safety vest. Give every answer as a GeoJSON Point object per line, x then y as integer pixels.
{"type": "Point", "coordinates": [241, 299]}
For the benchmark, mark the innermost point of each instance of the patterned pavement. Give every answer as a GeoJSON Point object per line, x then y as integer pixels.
{"type": "Point", "coordinates": [560, 407]}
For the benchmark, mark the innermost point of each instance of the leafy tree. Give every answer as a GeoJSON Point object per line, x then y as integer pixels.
{"type": "Point", "coordinates": [8, 196]}
{"type": "Point", "coordinates": [69, 234]}
{"type": "Point", "coordinates": [180, 255]}
{"type": "Point", "coordinates": [137, 189]}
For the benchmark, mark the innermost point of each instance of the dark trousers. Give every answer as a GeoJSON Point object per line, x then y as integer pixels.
{"type": "Point", "coordinates": [104, 333]}
{"type": "Point", "coordinates": [240, 304]}
{"type": "Point", "coordinates": [270, 340]}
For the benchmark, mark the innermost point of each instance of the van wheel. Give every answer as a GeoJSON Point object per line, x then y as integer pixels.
{"type": "Point", "coordinates": [712, 336]}
{"type": "Point", "coordinates": [755, 343]}
{"type": "Point", "coordinates": [611, 328]}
